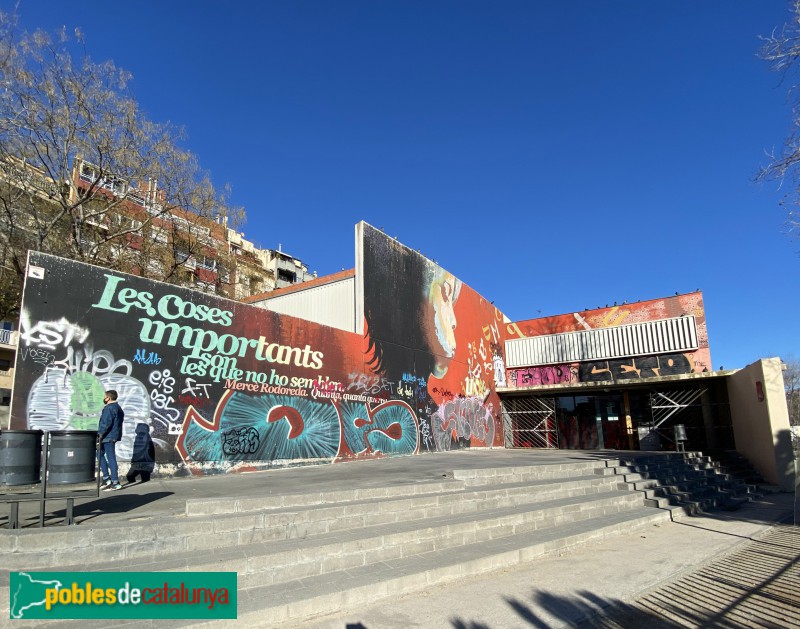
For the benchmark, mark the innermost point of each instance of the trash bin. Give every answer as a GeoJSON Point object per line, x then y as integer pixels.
{"type": "Point", "coordinates": [72, 457]}
{"type": "Point", "coordinates": [20, 457]}
{"type": "Point", "coordinates": [680, 432]}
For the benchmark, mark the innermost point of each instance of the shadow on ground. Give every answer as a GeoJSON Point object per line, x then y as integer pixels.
{"type": "Point", "coordinates": [84, 511]}
{"type": "Point", "coordinates": [756, 583]}
{"type": "Point", "coordinates": [115, 503]}
{"type": "Point", "coordinates": [584, 610]}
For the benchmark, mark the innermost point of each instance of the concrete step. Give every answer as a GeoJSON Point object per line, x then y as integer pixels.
{"type": "Point", "coordinates": [264, 603]}
{"type": "Point", "coordinates": [519, 474]}
{"type": "Point", "coordinates": [276, 605]}
{"type": "Point", "coordinates": [346, 504]}
{"type": "Point", "coordinates": [144, 542]}
{"type": "Point", "coordinates": [233, 521]}
{"type": "Point", "coordinates": [300, 554]}
{"type": "Point", "coordinates": [686, 485]}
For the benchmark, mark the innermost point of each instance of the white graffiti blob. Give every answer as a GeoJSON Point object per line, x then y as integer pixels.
{"type": "Point", "coordinates": [59, 400]}
{"type": "Point", "coordinates": [50, 334]}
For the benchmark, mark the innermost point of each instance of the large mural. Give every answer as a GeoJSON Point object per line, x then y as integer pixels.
{"type": "Point", "coordinates": [210, 384]}
{"type": "Point", "coordinates": [618, 369]}
{"type": "Point", "coordinates": [435, 341]}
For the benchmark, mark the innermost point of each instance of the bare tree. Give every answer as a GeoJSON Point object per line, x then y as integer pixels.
{"type": "Point", "coordinates": [781, 49]}
{"type": "Point", "coordinates": [791, 381]}
{"type": "Point", "coordinates": [85, 174]}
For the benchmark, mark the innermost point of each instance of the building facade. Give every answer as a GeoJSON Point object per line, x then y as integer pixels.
{"type": "Point", "coordinates": [619, 377]}
{"type": "Point", "coordinates": [135, 231]}
{"type": "Point", "coordinates": [396, 357]}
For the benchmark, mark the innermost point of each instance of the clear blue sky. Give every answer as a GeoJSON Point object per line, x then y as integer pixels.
{"type": "Point", "coordinates": [555, 156]}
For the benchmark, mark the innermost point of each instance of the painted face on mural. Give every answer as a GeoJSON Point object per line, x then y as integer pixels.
{"type": "Point", "coordinates": [442, 295]}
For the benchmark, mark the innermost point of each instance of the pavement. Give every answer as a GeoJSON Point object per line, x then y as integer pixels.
{"type": "Point", "coordinates": [166, 497]}
{"type": "Point", "coordinates": [587, 585]}
{"type": "Point", "coordinates": [613, 583]}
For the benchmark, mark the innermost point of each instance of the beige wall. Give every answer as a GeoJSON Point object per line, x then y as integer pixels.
{"type": "Point", "coordinates": [761, 426]}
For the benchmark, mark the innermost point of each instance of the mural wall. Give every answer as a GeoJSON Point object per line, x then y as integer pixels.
{"type": "Point", "coordinates": [435, 342]}
{"type": "Point", "coordinates": [618, 369]}
{"type": "Point", "coordinates": [209, 384]}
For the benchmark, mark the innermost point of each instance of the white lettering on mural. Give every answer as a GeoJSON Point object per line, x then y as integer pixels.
{"type": "Point", "coordinates": [210, 354]}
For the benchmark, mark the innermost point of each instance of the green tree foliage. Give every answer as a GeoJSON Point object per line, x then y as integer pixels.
{"type": "Point", "coordinates": [83, 172]}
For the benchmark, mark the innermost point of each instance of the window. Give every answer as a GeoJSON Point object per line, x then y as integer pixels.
{"type": "Point", "coordinates": [184, 257]}
{"type": "Point", "coordinates": [287, 276]}
{"type": "Point", "coordinates": [206, 262]}
{"type": "Point", "coordinates": [120, 221]}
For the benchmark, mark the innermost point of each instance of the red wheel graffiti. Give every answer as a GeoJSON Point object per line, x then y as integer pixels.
{"type": "Point", "coordinates": [292, 417]}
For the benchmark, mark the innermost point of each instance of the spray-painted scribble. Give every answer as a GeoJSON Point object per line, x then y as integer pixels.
{"type": "Point", "coordinates": [242, 441]}
{"type": "Point", "coordinates": [549, 374]}
{"type": "Point", "coordinates": [462, 419]}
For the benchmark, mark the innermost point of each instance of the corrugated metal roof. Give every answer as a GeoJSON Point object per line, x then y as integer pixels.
{"type": "Point", "coordinates": [678, 334]}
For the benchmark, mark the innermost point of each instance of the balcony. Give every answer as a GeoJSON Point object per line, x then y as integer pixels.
{"type": "Point", "coordinates": [9, 339]}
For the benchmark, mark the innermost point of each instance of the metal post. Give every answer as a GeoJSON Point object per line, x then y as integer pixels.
{"type": "Point", "coordinates": [13, 519]}
{"type": "Point", "coordinates": [43, 483]}
{"type": "Point", "coordinates": [69, 519]}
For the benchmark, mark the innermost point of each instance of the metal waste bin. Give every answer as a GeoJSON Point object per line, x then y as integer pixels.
{"type": "Point", "coordinates": [20, 457]}
{"type": "Point", "coordinates": [72, 457]}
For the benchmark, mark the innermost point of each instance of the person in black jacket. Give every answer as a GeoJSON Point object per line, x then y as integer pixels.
{"type": "Point", "coordinates": [110, 431]}
{"type": "Point", "coordinates": [143, 459]}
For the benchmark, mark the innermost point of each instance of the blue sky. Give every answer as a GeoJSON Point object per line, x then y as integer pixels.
{"type": "Point", "coordinates": [555, 156]}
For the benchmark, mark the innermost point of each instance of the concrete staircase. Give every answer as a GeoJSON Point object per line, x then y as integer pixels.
{"type": "Point", "coordinates": [683, 483]}
{"type": "Point", "coordinates": [304, 555]}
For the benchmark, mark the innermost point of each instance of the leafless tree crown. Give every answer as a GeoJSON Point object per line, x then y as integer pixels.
{"type": "Point", "coordinates": [85, 174]}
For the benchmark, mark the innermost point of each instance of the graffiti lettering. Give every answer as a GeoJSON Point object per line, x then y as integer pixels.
{"type": "Point", "coordinates": [240, 441]}
{"type": "Point", "coordinates": [198, 402]}
{"type": "Point", "coordinates": [462, 418]}
{"type": "Point", "coordinates": [426, 438]}
{"type": "Point", "coordinates": [191, 383]}
{"type": "Point", "coordinates": [51, 334]}
{"type": "Point", "coordinates": [97, 363]}
{"type": "Point", "coordinates": [410, 377]}
{"type": "Point", "coordinates": [535, 376]}
{"type": "Point", "coordinates": [369, 384]}
{"type": "Point", "coordinates": [142, 357]}
{"type": "Point", "coordinates": [298, 429]}
{"type": "Point", "coordinates": [162, 400]}
{"type": "Point", "coordinates": [629, 368]}
{"type": "Point", "coordinates": [444, 393]}
{"type": "Point", "coordinates": [43, 357]}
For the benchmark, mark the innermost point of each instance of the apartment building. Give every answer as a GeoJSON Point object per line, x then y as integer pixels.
{"type": "Point", "coordinates": [136, 232]}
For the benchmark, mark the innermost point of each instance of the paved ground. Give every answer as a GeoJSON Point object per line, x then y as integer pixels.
{"type": "Point", "coordinates": [616, 583]}
{"type": "Point", "coordinates": [167, 497]}
{"type": "Point", "coordinates": [728, 569]}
